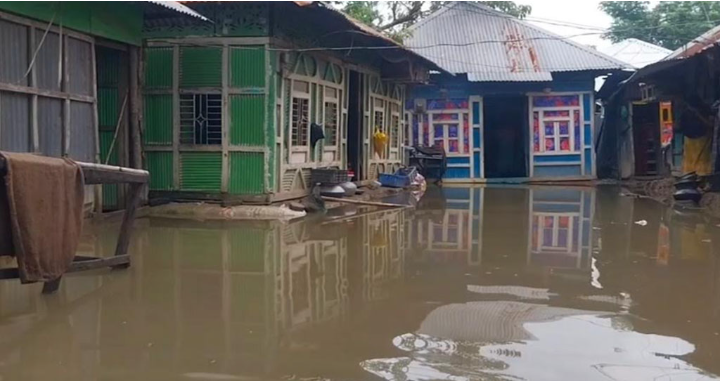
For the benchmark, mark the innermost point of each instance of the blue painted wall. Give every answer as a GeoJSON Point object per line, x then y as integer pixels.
{"type": "Point", "coordinates": [459, 87]}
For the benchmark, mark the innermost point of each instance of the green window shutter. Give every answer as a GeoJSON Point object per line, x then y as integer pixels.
{"type": "Point", "coordinates": [158, 119]}
{"type": "Point", "coordinates": [160, 166]}
{"type": "Point", "coordinates": [247, 67]}
{"type": "Point", "coordinates": [200, 171]}
{"type": "Point", "coordinates": [200, 67]}
{"type": "Point", "coordinates": [158, 68]}
{"type": "Point", "coordinates": [247, 120]}
{"type": "Point", "coordinates": [247, 173]}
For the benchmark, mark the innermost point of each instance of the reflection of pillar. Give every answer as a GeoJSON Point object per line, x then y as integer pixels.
{"type": "Point", "coordinates": [614, 218]}
{"type": "Point", "coordinates": [355, 249]}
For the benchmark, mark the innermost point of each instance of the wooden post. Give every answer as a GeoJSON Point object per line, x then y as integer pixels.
{"type": "Point", "coordinates": [96, 126]}
{"type": "Point", "coordinates": [135, 135]}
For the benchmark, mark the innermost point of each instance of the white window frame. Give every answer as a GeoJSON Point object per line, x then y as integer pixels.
{"type": "Point", "coordinates": [446, 139]}
{"type": "Point", "coordinates": [300, 95]}
{"type": "Point", "coordinates": [553, 247]}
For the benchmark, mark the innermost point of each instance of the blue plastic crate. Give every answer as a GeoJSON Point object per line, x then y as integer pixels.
{"type": "Point", "coordinates": [394, 181]}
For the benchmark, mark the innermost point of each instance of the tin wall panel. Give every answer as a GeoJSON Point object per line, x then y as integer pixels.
{"type": "Point", "coordinates": [79, 64]}
{"type": "Point", "coordinates": [160, 166]}
{"type": "Point", "coordinates": [82, 134]}
{"type": "Point", "coordinates": [247, 119]}
{"type": "Point", "coordinates": [158, 68]}
{"type": "Point", "coordinates": [247, 173]}
{"type": "Point", "coordinates": [47, 67]}
{"type": "Point", "coordinates": [200, 67]}
{"type": "Point", "coordinates": [50, 126]}
{"type": "Point", "coordinates": [247, 67]}
{"type": "Point", "coordinates": [158, 119]}
{"type": "Point", "coordinates": [15, 122]}
{"type": "Point", "coordinates": [13, 53]}
{"type": "Point", "coordinates": [200, 171]}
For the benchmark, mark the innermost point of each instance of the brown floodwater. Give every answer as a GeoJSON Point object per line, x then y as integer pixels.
{"type": "Point", "coordinates": [497, 283]}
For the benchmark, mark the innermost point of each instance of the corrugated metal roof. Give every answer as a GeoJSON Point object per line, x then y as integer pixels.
{"type": "Point", "coordinates": [368, 30]}
{"type": "Point", "coordinates": [697, 45]}
{"type": "Point", "coordinates": [177, 7]}
{"type": "Point", "coordinates": [636, 53]}
{"type": "Point", "coordinates": [488, 45]}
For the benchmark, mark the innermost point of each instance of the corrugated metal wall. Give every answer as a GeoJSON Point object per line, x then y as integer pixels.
{"type": "Point", "coordinates": [158, 119]}
{"type": "Point", "coordinates": [200, 67]}
{"type": "Point", "coordinates": [160, 166]}
{"type": "Point", "coordinates": [108, 105]}
{"type": "Point", "coordinates": [15, 122]}
{"type": "Point", "coordinates": [82, 137]}
{"type": "Point", "coordinates": [247, 119]}
{"type": "Point", "coordinates": [80, 66]}
{"type": "Point", "coordinates": [50, 126]}
{"type": "Point", "coordinates": [247, 67]}
{"type": "Point", "coordinates": [200, 171]}
{"type": "Point", "coordinates": [14, 57]}
{"type": "Point", "coordinates": [46, 64]}
{"type": "Point", "coordinates": [247, 173]}
{"type": "Point", "coordinates": [158, 68]}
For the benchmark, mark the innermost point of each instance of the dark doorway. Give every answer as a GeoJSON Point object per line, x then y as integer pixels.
{"type": "Point", "coordinates": [354, 132]}
{"type": "Point", "coordinates": [646, 138]}
{"type": "Point", "coordinates": [506, 142]}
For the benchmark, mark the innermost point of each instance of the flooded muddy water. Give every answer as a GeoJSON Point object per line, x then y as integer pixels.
{"type": "Point", "coordinates": [475, 284]}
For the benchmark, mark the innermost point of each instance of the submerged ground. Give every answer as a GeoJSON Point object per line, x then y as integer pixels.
{"type": "Point", "coordinates": [499, 283]}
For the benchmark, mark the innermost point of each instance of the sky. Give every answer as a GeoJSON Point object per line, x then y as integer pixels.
{"type": "Point", "coordinates": [582, 12]}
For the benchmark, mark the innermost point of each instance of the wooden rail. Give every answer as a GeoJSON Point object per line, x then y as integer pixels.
{"type": "Point", "coordinates": [100, 174]}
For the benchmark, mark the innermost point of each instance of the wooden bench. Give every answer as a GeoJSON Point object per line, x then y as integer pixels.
{"type": "Point", "coordinates": [100, 174]}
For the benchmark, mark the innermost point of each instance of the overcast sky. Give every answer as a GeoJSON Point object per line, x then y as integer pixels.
{"type": "Point", "coordinates": [583, 12]}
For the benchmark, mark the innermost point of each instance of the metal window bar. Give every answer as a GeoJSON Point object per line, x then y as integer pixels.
{"type": "Point", "coordinates": [331, 116]}
{"type": "Point", "coordinates": [395, 131]}
{"type": "Point", "coordinates": [300, 118]}
{"type": "Point", "coordinates": [201, 119]}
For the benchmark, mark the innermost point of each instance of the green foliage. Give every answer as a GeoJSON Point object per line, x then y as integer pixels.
{"type": "Point", "coordinates": [669, 24]}
{"type": "Point", "coordinates": [365, 11]}
{"type": "Point", "coordinates": [401, 14]}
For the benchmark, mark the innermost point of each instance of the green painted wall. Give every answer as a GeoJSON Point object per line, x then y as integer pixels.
{"type": "Point", "coordinates": [247, 119]}
{"type": "Point", "coordinates": [160, 166]}
{"type": "Point", "coordinates": [247, 173]}
{"type": "Point", "coordinates": [158, 68]}
{"type": "Point", "coordinates": [114, 20]}
{"type": "Point", "coordinates": [158, 115]}
{"type": "Point", "coordinates": [200, 171]}
{"type": "Point", "coordinates": [108, 81]}
{"type": "Point", "coordinates": [200, 67]}
{"type": "Point", "coordinates": [247, 67]}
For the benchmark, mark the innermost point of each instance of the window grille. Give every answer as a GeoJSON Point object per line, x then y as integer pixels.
{"type": "Point", "coordinates": [201, 119]}
{"type": "Point", "coordinates": [300, 109]}
{"type": "Point", "coordinates": [331, 125]}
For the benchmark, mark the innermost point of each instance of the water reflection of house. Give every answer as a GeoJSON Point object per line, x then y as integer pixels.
{"type": "Point", "coordinates": [383, 253]}
{"type": "Point", "coordinates": [551, 225]}
{"type": "Point", "coordinates": [241, 296]}
{"type": "Point", "coordinates": [451, 234]}
{"type": "Point", "coordinates": [561, 228]}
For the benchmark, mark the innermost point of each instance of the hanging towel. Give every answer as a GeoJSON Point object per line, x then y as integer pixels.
{"type": "Point", "coordinates": [41, 210]}
{"type": "Point", "coordinates": [316, 133]}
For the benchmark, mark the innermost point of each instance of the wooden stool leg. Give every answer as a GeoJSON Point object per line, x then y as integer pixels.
{"type": "Point", "coordinates": [51, 286]}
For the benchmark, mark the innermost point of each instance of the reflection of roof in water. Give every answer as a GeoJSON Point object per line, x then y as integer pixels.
{"type": "Point", "coordinates": [518, 291]}
{"type": "Point", "coordinates": [491, 321]}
